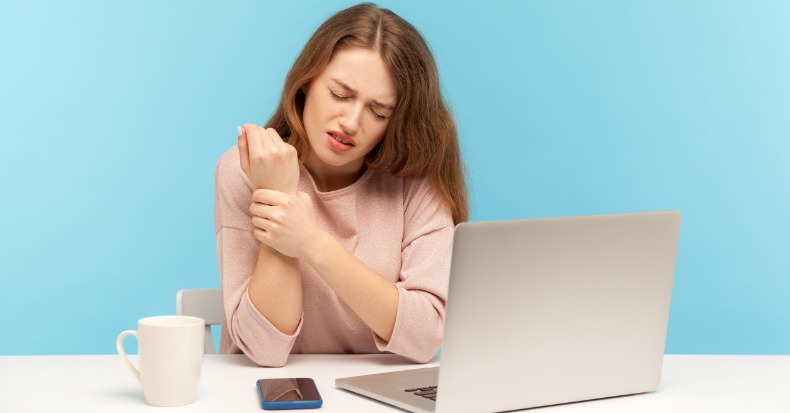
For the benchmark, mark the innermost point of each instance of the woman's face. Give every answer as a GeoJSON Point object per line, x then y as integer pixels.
{"type": "Point", "coordinates": [347, 110]}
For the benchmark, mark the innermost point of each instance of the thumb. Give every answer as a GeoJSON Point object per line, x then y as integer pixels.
{"type": "Point", "coordinates": [305, 197]}
{"type": "Point", "coordinates": [244, 152]}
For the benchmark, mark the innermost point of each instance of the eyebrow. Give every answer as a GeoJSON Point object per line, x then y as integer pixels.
{"type": "Point", "coordinates": [351, 89]}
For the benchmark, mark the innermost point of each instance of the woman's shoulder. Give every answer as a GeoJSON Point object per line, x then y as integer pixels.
{"type": "Point", "coordinates": [418, 186]}
{"type": "Point", "coordinates": [229, 175]}
{"type": "Point", "coordinates": [421, 199]}
{"type": "Point", "coordinates": [229, 161]}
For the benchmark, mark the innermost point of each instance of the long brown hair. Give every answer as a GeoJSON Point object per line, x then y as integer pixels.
{"type": "Point", "coordinates": [421, 138]}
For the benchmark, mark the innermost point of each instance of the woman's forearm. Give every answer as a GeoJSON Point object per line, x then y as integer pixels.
{"type": "Point", "coordinates": [276, 289]}
{"type": "Point", "coordinates": [371, 297]}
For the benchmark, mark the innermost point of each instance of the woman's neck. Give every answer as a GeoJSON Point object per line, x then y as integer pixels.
{"type": "Point", "coordinates": [329, 178]}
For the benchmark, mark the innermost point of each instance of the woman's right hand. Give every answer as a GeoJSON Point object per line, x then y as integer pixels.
{"type": "Point", "coordinates": [267, 160]}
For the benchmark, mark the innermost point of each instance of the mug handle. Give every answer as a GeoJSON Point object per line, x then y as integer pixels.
{"type": "Point", "coordinates": [119, 345]}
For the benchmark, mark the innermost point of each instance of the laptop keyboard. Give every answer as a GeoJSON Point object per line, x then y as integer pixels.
{"type": "Point", "coordinates": [427, 392]}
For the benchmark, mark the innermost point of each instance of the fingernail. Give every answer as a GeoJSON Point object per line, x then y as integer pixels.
{"type": "Point", "coordinates": [238, 131]}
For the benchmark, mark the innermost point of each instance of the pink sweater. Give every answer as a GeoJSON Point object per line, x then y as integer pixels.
{"type": "Point", "coordinates": [396, 226]}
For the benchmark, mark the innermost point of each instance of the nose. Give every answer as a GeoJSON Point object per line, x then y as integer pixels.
{"type": "Point", "coordinates": [350, 120]}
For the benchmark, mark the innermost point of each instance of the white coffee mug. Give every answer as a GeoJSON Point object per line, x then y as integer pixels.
{"type": "Point", "coordinates": [170, 357]}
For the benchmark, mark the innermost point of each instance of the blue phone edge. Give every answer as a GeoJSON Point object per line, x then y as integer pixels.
{"type": "Point", "coordinates": [289, 405]}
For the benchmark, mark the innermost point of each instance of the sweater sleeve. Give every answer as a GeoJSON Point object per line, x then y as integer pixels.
{"type": "Point", "coordinates": [237, 253]}
{"type": "Point", "coordinates": [425, 273]}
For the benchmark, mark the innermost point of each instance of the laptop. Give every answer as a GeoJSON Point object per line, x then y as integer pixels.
{"type": "Point", "coordinates": [543, 312]}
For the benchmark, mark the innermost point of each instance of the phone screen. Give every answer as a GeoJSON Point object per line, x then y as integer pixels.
{"type": "Point", "coordinates": [281, 393]}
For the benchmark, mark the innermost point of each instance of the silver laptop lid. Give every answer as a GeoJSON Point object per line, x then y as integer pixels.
{"type": "Point", "coordinates": [548, 311]}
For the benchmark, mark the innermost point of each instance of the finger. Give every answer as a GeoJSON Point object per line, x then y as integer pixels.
{"type": "Point", "coordinates": [261, 223]}
{"type": "Point", "coordinates": [304, 196]}
{"type": "Point", "coordinates": [274, 137]}
{"type": "Point", "coordinates": [261, 210]}
{"type": "Point", "coordinates": [244, 153]}
{"type": "Point", "coordinates": [305, 200]}
{"type": "Point", "coordinates": [269, 197]}
{"type": "Point", "coordinates": [261, 235]}
{"type": "Point", "coordinates": [268, 141]}
{"type": "Point", "coordinates": [286, 148]}
{"type": "Point", "coordinates": [253, 141]}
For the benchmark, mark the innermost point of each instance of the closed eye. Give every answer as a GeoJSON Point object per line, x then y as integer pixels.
{"type": "Point", "coordinates": [342, 98]}
{"type": "Point", "coordinates": [378, 115]}
{"type": "Point", "coordinates": [337, 96]}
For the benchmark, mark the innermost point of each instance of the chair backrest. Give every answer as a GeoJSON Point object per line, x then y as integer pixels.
{"type": "Point", "coordinates": [203, 303]}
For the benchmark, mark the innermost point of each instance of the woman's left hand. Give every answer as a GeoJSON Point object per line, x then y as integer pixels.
{"type": "Point", "coordinates": [284, 222]}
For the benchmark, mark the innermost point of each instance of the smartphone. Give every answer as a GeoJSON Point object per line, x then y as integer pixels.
{"type": "Point", "coordinates": [286, 394]}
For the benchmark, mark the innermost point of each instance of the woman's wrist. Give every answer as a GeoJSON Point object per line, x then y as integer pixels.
{"type": "Point", "coordinates": [315, 251]}
{"type": "Point", "coordinates": [265, 249]}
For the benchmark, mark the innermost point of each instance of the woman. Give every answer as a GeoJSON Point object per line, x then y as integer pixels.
{"type": "Point", "coordinates": [334, 224]}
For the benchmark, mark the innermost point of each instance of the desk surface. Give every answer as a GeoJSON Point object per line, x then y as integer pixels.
{"type": "Point", "coordinates": [103, 384]}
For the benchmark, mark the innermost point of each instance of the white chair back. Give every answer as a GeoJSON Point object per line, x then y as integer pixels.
{"type": "Point", "coordinates": [203, 303]}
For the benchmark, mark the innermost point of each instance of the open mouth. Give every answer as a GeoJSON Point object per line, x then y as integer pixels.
{"type": "Point", "coordinates": [339, 139]}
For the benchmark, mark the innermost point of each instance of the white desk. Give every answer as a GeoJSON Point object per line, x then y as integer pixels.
{"type": "Point", "coordinates": [103, 384]}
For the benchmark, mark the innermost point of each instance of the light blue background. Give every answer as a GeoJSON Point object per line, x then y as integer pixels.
{"type": "Point", "coordinates": [113, 115]}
